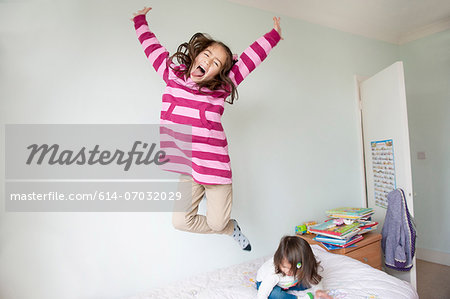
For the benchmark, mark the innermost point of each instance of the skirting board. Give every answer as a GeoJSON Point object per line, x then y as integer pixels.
{"type": "Point", "coordinates": [433, 256]}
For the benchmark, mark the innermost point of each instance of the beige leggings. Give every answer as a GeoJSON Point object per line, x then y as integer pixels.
{"type": "Point", "coordinates": [218, 210]}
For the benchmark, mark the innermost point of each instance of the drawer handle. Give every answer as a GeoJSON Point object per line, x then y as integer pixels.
{"type": "Point", "coordinates": [365, 259]}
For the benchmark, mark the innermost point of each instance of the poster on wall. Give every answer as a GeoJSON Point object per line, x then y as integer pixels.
{"type": "Point", "coordinates": [383, 170]}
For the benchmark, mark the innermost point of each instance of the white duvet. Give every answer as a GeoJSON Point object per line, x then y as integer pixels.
{"type": "Point", "coordinates": [344, 277]}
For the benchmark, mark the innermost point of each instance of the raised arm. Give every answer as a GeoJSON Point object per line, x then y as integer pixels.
{"type": "Point", "coordinates": [255, 54]}
{"type": "Point", "coordinates": [156, 54]}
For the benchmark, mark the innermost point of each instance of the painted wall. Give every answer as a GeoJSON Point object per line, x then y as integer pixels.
{"type": "Point", "coordinates": [427, 79]}
{"type": "Point", "coordinates": [293, 137]}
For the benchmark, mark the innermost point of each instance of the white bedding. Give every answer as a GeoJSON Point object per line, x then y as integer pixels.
{"type": "Point", "coordinates": [344, 277]}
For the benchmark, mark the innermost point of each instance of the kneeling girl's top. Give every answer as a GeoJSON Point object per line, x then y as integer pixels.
{"type": "Point", "coordinates": [184, 104]}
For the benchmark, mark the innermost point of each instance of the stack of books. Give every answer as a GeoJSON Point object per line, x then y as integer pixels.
{"type": "Point", "coordinates": [344, 227]}
{"type": "Point", "coordinates": [360, 215]}
{"type": "Point", "coordinates": [330, 229]}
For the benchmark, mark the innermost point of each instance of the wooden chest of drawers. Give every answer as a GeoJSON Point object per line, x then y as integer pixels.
{"type": "Point", "coordinates": [367, 250]}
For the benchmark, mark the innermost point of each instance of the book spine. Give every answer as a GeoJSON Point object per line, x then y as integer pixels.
{"type": "Point", "coordinates": [325, 232]}
{"type": "Point", "coordinates": [328, 240]}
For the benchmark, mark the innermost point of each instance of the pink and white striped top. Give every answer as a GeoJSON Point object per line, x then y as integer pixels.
{"type": "Point", "coordinates": [206, 159]}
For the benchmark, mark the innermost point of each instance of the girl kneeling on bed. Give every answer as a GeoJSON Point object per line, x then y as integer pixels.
{"type": "Point", "coordinates": [292, 268]}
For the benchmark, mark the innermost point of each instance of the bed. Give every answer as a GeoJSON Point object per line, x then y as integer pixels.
{"type": "Point", "coordinates": [343, 276]}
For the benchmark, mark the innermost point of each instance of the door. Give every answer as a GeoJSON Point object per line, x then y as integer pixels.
{"type": "Point", "coordinates": [386, 144]}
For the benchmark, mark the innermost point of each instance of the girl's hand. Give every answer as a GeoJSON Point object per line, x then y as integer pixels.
{"type": "Point", "coordinates": [143, 11]}
{"type": "Point", "coordinates": [276, 25]}
{"type": "Point", "coordinates": [322, 294]}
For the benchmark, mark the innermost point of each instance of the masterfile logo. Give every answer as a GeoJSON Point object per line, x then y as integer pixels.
{"type": "Point", "coordinates": [54, 155]}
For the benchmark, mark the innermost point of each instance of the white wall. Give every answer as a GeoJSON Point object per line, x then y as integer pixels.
{"type": "Point", "coordinates": [293, 137]}
{"type": "Point", "coordinates": [427, 76]}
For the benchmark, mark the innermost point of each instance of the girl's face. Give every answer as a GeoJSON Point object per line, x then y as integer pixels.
{"type": "Point", "coordinates": [208, 63]}
{"type": "Point", "coordinates": [286, 267]}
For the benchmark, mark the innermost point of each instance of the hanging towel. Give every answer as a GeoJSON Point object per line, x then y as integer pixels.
{"type": "Point", "coordinates": [398, 233]}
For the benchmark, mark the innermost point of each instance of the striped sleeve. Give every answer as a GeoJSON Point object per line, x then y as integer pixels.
{"type": "Point", "coordinates": [156, 54]}
{"type": "Point", "coordinates": [253, 56]}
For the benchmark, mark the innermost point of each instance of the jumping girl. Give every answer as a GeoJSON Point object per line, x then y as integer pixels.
{"type": "Point", "coordinates": [199, 77]}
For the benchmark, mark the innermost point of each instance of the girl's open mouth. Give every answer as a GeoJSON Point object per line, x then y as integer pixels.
{"type": "Point", "coordinates": [198, 72]}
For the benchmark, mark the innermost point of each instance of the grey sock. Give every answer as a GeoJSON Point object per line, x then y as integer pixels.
{"type": "Point", "coordinates": [239, 237]}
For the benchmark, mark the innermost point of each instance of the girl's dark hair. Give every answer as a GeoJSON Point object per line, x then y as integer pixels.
{"type": "Point", "coordinates": [296, 250]}
{"type": "Point", "coordinates": [186, 54]}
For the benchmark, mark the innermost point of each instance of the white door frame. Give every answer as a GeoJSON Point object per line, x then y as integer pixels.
{"type": "Point", "coordinates": [408, 276]}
